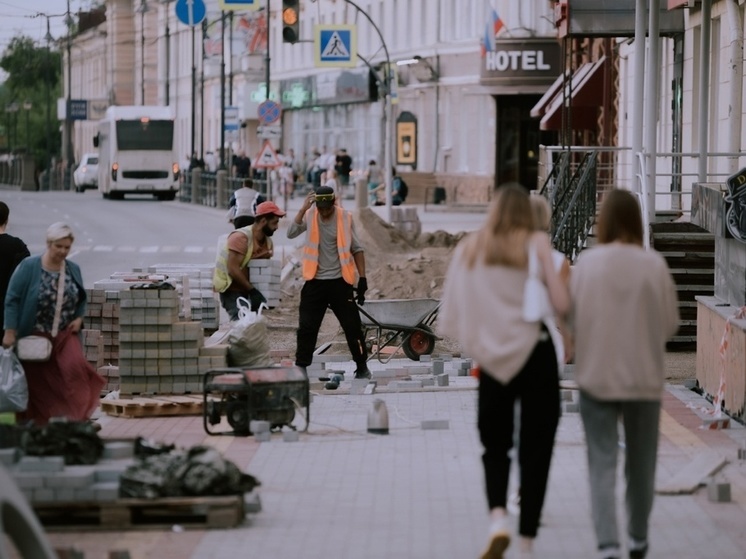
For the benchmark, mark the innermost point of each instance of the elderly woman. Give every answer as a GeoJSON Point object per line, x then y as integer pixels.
{"type": "Point", "coordinates": [66, 385]}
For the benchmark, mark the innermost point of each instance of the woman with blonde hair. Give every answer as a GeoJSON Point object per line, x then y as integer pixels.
{"type": "Point", "coordinates": [66, 385]}
{"type": "Point", "coordinates": [482, 307]}
{"type": "Point", "coordinates": [625, 308]}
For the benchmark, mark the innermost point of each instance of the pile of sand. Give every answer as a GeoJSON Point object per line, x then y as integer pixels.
{"type": "Point", "coordinates": [398, 267]}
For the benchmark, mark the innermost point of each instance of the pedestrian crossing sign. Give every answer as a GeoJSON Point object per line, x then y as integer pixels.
{"type": "Point", "coordinates": [335, 46]}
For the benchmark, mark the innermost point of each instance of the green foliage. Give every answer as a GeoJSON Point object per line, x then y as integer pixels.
{"type": "Point", "coordinates": [33, 76]}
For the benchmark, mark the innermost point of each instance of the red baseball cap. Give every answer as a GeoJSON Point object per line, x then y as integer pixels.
{"type": "Point", "coordinates": [267, 208]}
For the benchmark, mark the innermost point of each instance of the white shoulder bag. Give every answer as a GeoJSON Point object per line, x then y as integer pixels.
{"type": "Point", "coordinates": [39, 348]}
{"type": "Point", "coordinates": [536, 304]}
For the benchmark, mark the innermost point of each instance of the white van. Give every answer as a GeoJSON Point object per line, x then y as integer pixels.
{"type": "Point", "coordinates": [86, 174]}
{"type": "Point", "coordinates": [136, 155]}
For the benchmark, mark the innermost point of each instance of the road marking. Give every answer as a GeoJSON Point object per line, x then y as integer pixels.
{"type": "Point", "coordinates": [127, 249]}
{"type": "Point", "coordinates": [171, 249]}
{"type": "Point", "coordinates": [103, 248]}
{"type": "Point", "coordinates": [149, 249]}
{"type": "Point", "coordinates": [194, 249]}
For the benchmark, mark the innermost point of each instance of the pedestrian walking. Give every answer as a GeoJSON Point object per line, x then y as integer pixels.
{"type": "Point", "coordinates": [624, 311]}
{"type": "Point", "coordinates": [482, 307]}
{"type": "Point", "coordinates": [252, 242]}
{"type": "Point", "coordinates": [333, 259]}
{"type": "Point", "coordinates": [244, 201]}
{"type": "Point", "coordinates": [12, 251]}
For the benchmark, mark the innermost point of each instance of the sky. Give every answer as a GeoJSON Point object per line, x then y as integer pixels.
{"type": "Point", "coordinates": [17, 17]}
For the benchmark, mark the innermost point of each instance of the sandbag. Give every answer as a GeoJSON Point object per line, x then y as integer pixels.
{"type": "Point", "coordinates": [248, 340]}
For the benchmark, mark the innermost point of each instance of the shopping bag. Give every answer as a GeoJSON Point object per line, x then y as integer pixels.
{"type": "Point", "coordinates": [13, 386]}
{"type": "Point", "coordinates": [248, 340]}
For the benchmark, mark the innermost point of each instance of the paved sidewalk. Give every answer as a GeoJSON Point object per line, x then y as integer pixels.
{"type": "Point", "coordinates": [414, 494]}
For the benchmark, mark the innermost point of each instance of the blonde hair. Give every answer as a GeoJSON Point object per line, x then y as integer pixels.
{"type": "Point", "coordinates": [541, 211]}
{"type": "Point", "coordinates": [502, 239]}
{"type": "Point", "coordinates": [59, 230]}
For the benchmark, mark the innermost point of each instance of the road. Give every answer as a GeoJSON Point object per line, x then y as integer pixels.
{"type": "Point", "coordinates": [120, 235]}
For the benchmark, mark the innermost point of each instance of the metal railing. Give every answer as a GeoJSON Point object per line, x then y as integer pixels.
{"type": "Point", "coordinates": [573, 202]}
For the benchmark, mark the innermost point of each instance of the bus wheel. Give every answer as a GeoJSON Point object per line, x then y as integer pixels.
{"type": "Point", "coordinates": [166, 195]}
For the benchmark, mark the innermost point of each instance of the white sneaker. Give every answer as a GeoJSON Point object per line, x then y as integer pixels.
{"type": "Point", "coordinates": [499, 540]}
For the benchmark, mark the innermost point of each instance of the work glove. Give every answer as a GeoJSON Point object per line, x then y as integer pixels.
{"type": "Point", "coordinates": [362, 287]}
{"type": "Point", "coordinates": [256, 298]}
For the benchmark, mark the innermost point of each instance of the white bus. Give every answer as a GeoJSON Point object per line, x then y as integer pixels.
{"type": "Point", "coordinates": [136, 152]}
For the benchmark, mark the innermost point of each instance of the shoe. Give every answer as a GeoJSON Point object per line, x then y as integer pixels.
{"type": "Point", "coordinates": [638, 553]}
{"type": "Point", "coordinates": [514, 503]}
{"type": "Point", "coordinates": [362, 373]}
{"type": "Point", "coordinates": [498, 542]}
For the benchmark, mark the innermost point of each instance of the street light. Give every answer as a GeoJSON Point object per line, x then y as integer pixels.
{"type": "Point", "coordinates": [142, 9]}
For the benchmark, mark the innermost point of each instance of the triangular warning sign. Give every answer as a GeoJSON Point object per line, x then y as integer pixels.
{"type": "Point", "coordinates": [335, 48]}
{"type": "Point", "coordinates": [267, 157]}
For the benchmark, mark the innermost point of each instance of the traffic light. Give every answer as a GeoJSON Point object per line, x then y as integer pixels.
{"type": "Point", "coordinates": [290, 21]}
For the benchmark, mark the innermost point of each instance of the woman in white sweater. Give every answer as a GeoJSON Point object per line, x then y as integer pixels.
{"type": "Point", "coordinates": [482, 307]}
{"type": "Point", "coordinates": [624, 311]}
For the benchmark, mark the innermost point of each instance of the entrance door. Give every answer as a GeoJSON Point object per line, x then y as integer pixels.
{"type": "Point", "coordinates": [518, 139]}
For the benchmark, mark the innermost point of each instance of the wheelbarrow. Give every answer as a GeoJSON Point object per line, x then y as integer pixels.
{"type": "Point", "coordinates": [402, 323]}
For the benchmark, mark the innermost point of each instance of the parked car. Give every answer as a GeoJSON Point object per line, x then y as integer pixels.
{"type": "Point", "coordinates": [86, 175]}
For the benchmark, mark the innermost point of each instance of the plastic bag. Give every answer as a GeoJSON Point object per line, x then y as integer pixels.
{"type": "Point", "coordinates": [13, 386]}
{"type": "Point", "coordinates": [536, 303]}
{"type": "Point", "coordinates": [248, 340]}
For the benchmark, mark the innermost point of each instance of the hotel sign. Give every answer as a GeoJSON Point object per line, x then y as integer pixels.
{"type": "Point", "coordinates": [518, 61]}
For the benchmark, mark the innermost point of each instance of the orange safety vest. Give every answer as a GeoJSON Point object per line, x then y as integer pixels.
{"type": "Point", "coordinates": [344, 241]}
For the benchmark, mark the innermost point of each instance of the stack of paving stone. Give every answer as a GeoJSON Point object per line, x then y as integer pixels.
{"type": "Point", "coordinates": [406, 220]}
{"type": "Point", "coordinates": [111, 376]}
{"type": "Point", "coordinates": [46, 479]}
{"type": "Point", "coordinates": [265, 276]}
{"type": "Point", "coordinates": [93, 347]}
{"type": "Point", "coordinates": [158, 354]}
{"type": "Point", "coordinates": [102, 314]}
{"type": "Point", "coordinates": [194, 284]}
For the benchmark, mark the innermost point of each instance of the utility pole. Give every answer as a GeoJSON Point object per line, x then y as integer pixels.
{"type": "Point", "coordinates": [222, 90]}
{"type": "Point", "coordinates": [47, 91]}
{"type": "Point", "coordinates": [266, 79]}
{"type": "Point", "coordinates": [194, 92]}
{"type": "Point", "coordinates": [168, 56]}
{"type": "Point", "coordinates": [68, 121]}
{"type": "Point", "coordinates": [230, 44]}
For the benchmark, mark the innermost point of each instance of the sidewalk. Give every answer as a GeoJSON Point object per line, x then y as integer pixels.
{"type": "Point", "coordinates": [418, 494]}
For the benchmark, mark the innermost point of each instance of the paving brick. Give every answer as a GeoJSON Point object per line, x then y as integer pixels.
{"type": "Point", "coordinates": [72, 477]}
{"type": "Point", "coordinates": [41, 464]}
{"type": "Point", "coordinates": [8, 456]}
{"type": "Point", "coordinates": [106, 490]}
{"type": "Point", "coordinates": [428, 424]}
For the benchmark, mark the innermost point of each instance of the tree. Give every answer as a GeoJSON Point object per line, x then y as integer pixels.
{"type": "Point", "coordinates": [33, 74]}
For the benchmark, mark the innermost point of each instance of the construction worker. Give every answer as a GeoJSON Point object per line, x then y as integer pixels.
{"type": "Point", "coordinates": [231, 275]}
{"type": "Point", "coordinates": [333, 259]}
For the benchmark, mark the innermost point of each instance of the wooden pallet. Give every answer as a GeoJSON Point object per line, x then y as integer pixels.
{"type": "Point", "coordinates": [139, 514]}
{"type": "Point", "coordinates": [153, 406]}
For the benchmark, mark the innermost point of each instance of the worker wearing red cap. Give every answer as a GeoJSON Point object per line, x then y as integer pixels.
{"type": "Point", "coordinates": [231, 275]}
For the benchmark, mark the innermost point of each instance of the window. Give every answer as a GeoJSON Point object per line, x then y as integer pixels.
{"type": "Point", "coordinates": [135, 135]}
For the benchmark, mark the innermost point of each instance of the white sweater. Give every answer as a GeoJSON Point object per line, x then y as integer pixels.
{"type": "Point", "coordinates": [624, 310]}
{"type": "Point", "coordinates": [482, 308]}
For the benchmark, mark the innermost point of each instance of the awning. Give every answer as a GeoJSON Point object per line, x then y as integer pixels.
{"type": "Point", "coordinates": [583, 92]}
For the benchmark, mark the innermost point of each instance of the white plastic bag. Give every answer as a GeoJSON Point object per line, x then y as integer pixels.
{"type": "Point", "coordinates": [13, 386]}
{"type": "Point", "coordinates": [536, 304]}
{"type": "Point", "coordinates": [248, 340]}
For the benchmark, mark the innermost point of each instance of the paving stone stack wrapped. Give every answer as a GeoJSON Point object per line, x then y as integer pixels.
{"type": "Point", "coordinates": [158, 354]}
{"type": "Point", "coordinates": [102, 314]}
{"type": "Point", "coordinates": [194, 283]}
{"type": "Point", "coordinates": [265, 276]}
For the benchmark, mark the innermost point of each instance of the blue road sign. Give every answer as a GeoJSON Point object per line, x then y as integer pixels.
{"type": "Point", "coordinates": [268, 112]}
{"type": "Point", "coordinates": [335, 45]}
{"type": "Point", "coordinates": [190, 12]}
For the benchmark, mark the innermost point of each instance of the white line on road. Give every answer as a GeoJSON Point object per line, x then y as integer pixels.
{"type": "Point", "coordinates": [103, 248]}
{"type": "Point", "coordinates": [149, 249]}
{"type": "Point", "coordinates": [194, 249]}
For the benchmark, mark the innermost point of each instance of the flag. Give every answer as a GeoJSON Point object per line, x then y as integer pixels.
{"type": "Point", "coordinates": [492, 28]}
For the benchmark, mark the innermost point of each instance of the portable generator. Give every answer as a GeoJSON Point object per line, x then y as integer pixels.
{"type": "Point", "coordinates": [270, 394]}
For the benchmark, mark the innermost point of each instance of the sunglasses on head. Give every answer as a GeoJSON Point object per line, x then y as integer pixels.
{"type": "Point", "coordinates": [324, 197]}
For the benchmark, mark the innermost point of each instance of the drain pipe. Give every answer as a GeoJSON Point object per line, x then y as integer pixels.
{"type": "Point", "coordinates": [735, 93]}
{"type": "Point", "coordinates": [704, 89]}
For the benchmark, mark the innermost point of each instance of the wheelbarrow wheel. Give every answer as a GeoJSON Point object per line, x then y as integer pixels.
{"type": "Point", "coordinates": [419, 343]}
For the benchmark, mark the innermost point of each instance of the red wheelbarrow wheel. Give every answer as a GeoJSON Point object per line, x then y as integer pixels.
{"type": "Point", "coordinates": [419, 343]}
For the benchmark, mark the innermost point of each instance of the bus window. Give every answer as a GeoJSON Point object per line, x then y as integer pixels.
{"type": "Point", "coordinates": [145, 135]}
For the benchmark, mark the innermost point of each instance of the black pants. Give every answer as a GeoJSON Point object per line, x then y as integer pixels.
{"type": "Point", "coordinates": [537, 386]}
{"type": "Point", "coordinates": [337, 295]}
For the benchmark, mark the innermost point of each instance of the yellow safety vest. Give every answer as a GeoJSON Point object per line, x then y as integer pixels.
{"type": "Point", "coordinates": [221, 279]}
{"type": "Point", "coordinates": [344, 242]}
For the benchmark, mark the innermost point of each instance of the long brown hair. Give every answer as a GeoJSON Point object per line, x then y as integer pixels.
{"type": "Point", "coordinates": [502, 239]}
{"type": "Point", "coordinates": [620, 219]}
